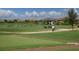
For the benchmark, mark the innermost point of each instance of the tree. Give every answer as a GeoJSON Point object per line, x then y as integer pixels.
{"type": "Point", "coordinates": [5, 20]}
{"type": "Point", "coordinates": [66, 21]}
{"type": "Point", "coordinates": [72, 15]}
{"type": "Point", "coordinates": [15, 20]}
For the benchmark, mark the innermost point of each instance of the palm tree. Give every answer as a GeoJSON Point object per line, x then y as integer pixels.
{"type": "Point", "coordinates": [72, 15]}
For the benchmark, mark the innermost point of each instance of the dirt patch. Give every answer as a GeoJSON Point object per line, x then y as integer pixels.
{"type": "Point", "coordinates": [51, 48]}
{"type": "Point", "coordinates": [72, 43]}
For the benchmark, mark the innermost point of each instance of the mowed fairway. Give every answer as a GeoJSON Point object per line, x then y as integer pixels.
{"type": "Point", "coordinates": [27, 27]}
{"type": "Point", "coordinates": [13, 42]}
{"type": "Point", "coordinates": [25, 41]}
{"type": "Point", "coordinates": [20, 27]}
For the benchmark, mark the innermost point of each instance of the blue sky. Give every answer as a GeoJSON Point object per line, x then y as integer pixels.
{"type": "Point", "coordinates": [23, 13]}
{"type": "Point", "coordinates": [22, 10]}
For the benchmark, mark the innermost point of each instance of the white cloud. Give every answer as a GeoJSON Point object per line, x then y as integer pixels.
{"type": "Point", "coordinates": [34, 13]}
{"type": "Point", "coordinates": [52, 13]}
{"type": "Point", "coordinates": [56, 14]}
{"type": "Point", "coordinates": [43, 14]}
{"type": "Point", "coordinates": [76, 11]}
{"type": "Point", "coordinates": [22, 16]}
{"type": "Point", "coordinates": [7, 13]}
{"type": "Point", "coordinates": [27, 13]}
{"type": "Point", "coordinates": [11, 14]}
{"type": "Point", "coordinates": [66, 9]}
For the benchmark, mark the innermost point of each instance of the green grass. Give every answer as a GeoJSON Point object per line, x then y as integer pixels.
{"type": "Point", "coordinates": [13, 41]}
{"type": "Point", "coordinates": [72, 36]}
{"type": "Point", "coordinates": [20, 27]}
{"type": "Point", "coordinates": [26, 27]}
{"type": "Point", "coordinates": [63, 26]}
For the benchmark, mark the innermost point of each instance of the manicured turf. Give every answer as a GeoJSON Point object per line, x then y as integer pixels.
{"type": "Point", "coordinates": [20, 27]}
{"type": "Point", "coordinates": [13, 41]}
{"type": "Point", "coordinates": [26, 27]}
{"type": "Point", "coordinates": [72, 36]}
{"type": "Point", "coordinates": [63, 26]}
